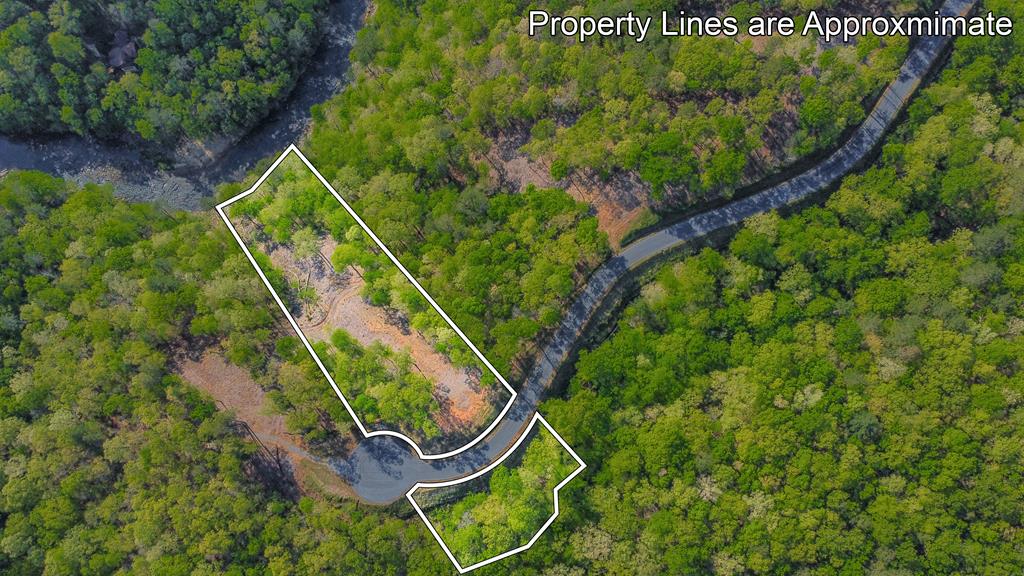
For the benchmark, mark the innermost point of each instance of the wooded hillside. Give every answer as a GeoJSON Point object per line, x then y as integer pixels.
{"type": "Point", "coordinates": [159, 70]}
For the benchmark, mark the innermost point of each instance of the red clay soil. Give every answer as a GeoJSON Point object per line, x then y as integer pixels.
{"type": "Point", "coordinates": [617, 202]}
{"type": "Point", "coordinates": [235, 390]}
{"type": "Point", "coordinates": [465, 404]}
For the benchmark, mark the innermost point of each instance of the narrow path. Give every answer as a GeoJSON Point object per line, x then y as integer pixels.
{"type": "Point", "coordinates": [381, 470]}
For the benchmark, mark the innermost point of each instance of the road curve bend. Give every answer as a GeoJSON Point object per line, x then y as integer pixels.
{"type": "Point", "coordinates": [381, 470]}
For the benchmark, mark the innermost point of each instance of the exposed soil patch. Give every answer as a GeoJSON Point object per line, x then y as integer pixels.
{"type": "Point", "coordinates": [318, 478]}
{"type": "Point", "coordinates": [234, 389]}
{"type": "Point", "coordinates": [465, 404]}
{"type": "Point", "coordinates": [617, 201]}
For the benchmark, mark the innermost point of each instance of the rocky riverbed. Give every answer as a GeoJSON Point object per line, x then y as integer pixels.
{"type": "Point", "coordinates": [190, 185]}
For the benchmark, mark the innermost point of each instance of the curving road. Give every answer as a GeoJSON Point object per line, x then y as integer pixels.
{"type": "Point", "coordinates": [382, 470]}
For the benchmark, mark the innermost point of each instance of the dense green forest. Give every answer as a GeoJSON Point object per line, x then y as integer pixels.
{"type": "Point", "coordinates": [159, 70]}
{"type": "Point", "coordinates": [294, 209]}
{"type": "Point", "coordinates": [510, 508]}
{"type": "Point", "coordinates": [502, 265]}
{"type": "Point", "coordinates": [440, 89]}
{"type": "Point", "coordinates": [381, 383]}
{"type": "Point", "coordinates": [112, 464]}
{"type": "Point", "coordinates": [836, 392]}
{"type": "Point", "coordinates": [839, 392]}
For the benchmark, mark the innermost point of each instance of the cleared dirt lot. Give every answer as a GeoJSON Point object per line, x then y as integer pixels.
{"type": "Point", "coordinates": [465, 405]}
{"type": "Point", "coordinates": [234, 389]}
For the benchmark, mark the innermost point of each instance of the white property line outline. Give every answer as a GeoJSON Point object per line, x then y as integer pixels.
{"type": "Point", "coordinates": [292, 149]}
{"type": "Point", "coordinates": [536, 417]}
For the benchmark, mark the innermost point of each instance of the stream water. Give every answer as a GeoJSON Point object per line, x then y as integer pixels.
{"type": "Point", "coordinates": [137, 178]}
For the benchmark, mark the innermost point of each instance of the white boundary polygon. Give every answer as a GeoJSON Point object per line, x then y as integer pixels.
{"type": "Point", "coordinates": [292, 149]}
{"type": "Point", "coordinates": [536, 417]}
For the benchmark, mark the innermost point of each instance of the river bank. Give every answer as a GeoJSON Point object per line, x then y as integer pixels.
{"type": "Point", "coordinates": [136, 178]}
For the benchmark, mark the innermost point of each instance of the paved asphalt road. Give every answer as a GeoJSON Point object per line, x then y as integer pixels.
{"type": "Point", "coordinates": [382, 469]}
